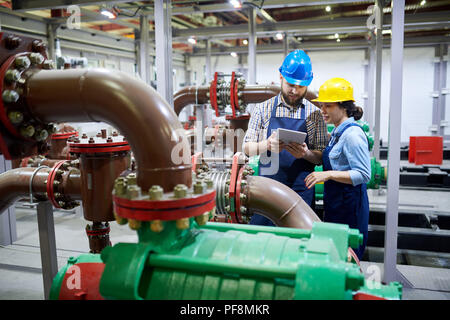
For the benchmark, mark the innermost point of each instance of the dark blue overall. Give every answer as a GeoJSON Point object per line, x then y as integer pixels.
{"type": "Point", "coordinates": [345, 203]}
{"type": "Point", "coordinates": [292, 171]}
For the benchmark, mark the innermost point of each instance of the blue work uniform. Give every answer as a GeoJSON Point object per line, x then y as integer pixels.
{"type": "Point", "coordinates": [291, 171]}
{"type": "Point", "coordinates": [347, 203]}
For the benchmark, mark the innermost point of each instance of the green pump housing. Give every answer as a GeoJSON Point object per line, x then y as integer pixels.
{"type": "Point", "coordinates": [232, 261]}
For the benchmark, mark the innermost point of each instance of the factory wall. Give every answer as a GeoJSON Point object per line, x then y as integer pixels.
{"type": "Point", "coordinates": [418, 75]}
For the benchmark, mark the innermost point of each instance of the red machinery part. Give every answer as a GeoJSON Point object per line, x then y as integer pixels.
{"type": "Point", "coordinates": [89, 282]}
{"type": "Point", "coordinates": [148, 210]}
{"type": "Point", "coordinates": [237, 208]}
{"type": "Point", "coordinates": [213, 94]}
{"type": "Point", "coordinates": [366, 296]}
{"type": "Point", "coordinates": [50, 180]}
{"type": "Point", "coordinates": [99, 147]}
{"type": "Point", "coordinates": [61, 136]}
{"type": "Point", "coordinates": [233, 101]}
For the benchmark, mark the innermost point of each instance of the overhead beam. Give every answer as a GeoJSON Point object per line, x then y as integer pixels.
{"type": "Point", "coordinates": [268, 4]}
{"type": "Point", "coordinates": [321, 45]}
{"type": "Point", "coordinates": [28, 5]}
{"type": "Point", "coordinates": [315, 27]}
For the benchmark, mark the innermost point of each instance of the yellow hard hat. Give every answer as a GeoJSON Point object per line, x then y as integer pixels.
{"type": "Point", "coordinates": [335, 90]}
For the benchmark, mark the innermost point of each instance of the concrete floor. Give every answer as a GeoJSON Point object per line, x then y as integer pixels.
{"type": "Point", "coordinates": [20, 263]}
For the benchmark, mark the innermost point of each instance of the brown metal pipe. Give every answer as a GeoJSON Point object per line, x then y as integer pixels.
{"type": "Point", "coordinates": [15, 184]}
{"type": "Point", "coordinates": [250, 94]}
{"type": "Point", "coordinates": [189, 95]}
{"type": "Point", "coordinates": [134, 108]}
{"type": "Point", "coordinates": [279, 203]}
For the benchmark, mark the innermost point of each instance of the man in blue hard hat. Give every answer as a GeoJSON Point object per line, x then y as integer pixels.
{"type": "Point", "coordinates": [288, 163]}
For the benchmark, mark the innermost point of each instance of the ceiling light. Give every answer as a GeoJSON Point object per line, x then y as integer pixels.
{"type": "Point", "coordinates": [336, 35]}
{"type": "Point", "coordinates": [233, 54]}
{"type": "Point", "coordinates": [279, 36]}
{"type": "Point", "coordinates": [327, 8]}
{"type": "Point", "coordinates": [245, 42]}
{"type": "Point", "coordinates": [338, 40]}
{"type": "Point", "coordinates": [236, 3]}
{"type": "Point", "coordinates": [192, 40]}
{"type": "Point", "coordinates": [423, 2]}
{"type": "Point", "coordinates": [109, 13]}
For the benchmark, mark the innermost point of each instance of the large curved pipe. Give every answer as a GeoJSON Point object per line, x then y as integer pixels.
{"type": "Point", "coordinates": [279, 203]}
{"type": "Point", "coordinates": [137, 110]}
{"type": "Point", "coordinates": [15, 184]}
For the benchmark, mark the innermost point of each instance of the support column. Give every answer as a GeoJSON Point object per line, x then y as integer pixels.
{"type": "Point", "coordinates": [440, 82]}
{"type": "Point", "coordinates": [208, 61]}
{"type": "Point", "coordinates": [285, 44]}
{"type": "Point", "coordinates": [252, 46]}
{"type": "Point", "coordinates": [379, 56]}
{"type": "Point", "coordinates": [163, 47]}
{"type": "Point", "coordinates": [143, 49]}
{"type": "Point", "coordinates": [47, 244]}
{"type": "Point", "coordinates": [368, 88]}
{"type": "Point", "coordinates": [51, 38]}
{"type": "Point", "coordinates": [395, 117]}
{"type": "Point", "coordinates": [8, 231]}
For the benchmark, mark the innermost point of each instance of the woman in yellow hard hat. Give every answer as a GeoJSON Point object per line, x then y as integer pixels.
{"type": "Point", "coordinates": [346, 160]}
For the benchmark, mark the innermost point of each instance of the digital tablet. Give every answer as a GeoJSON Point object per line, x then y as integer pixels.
{"type": "Point", "coordinates": [288, 136]}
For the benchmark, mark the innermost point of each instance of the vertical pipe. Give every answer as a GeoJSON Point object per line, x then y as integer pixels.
{"type": "Point", "coordinates": [208, 72]}
{"type": "Point", "coordinates": [144, 65]}
{"type": "Point", "coordinates": [163, 46]}
{"type": "Point", "coordinates": [47, 244]}
{"type": "Point", "coordinates": [395, 116]}
{"type": "Point", "coordinates": [379, 55]}
{"type": "Point", "coordinates": [251, 46]}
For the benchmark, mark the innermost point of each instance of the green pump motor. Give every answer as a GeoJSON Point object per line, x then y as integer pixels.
{"type": "Point", "coordinates": [225, 261]}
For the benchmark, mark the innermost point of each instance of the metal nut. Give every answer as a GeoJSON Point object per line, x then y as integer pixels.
{"type": "Point", "coordinates": [12, 75]}
{"type": "Point", "coordinates": [180, 191]}
{"type": "Point", "coordinates": [27, 131]}
{"type": "Point", "coordinates": [133, 192]}
{"type": "Point", "coordinates": [243, 210]}
{"type": "Point", "coordinates": [119, 219]}
{"type": "Point", "coordinates": [182, 224]}
{"type": "Point", "coordinates": [134, 224]}
{"type": "Point", "coordinates": [199, 187]}
{"type": "Point", "coordinates": [132, 178]}
{"type": "Point", "coordinates": [15, 117]}
{"type": "Point", "coordinates": [10, 96]}
{"type": "Point", "coordinates": [156, 226]}
{"type": "Point", "coordinates": [36, 58]}
{"type": "Point", "coordinates": [209, 183]}
{"type": "Point", "coordinates": [155, 192]}
{"type": "Point", "coordinates": [41, 135]}
{"type": "Point", "coordinates": [202, 219]}
{"type": "Point", "coordinates": [48, 65]}
{"type": "Point", "coordinates": [22, 62]}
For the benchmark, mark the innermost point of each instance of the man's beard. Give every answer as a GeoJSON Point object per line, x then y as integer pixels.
{"type": "Point", "coordinates": [291, 100]}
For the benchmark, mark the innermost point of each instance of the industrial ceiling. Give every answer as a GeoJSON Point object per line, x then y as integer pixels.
{"type": "Point", "coordinates": [225, 22]}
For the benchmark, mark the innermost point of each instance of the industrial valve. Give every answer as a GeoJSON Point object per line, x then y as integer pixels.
{"type": "Point", "coordinates": [222, 94]}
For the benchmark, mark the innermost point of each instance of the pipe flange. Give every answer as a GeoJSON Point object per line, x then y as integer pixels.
{"type": "Point", "coordinates": [54, 191]}
{"type": "Point", "coordinates": [183, 204]}
{"type": "Point", "coordinates": [14, 114]}
{"type": "Point", "coordinates": [100, 144]}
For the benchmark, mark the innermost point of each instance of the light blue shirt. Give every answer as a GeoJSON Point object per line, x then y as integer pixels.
{"type": "Point", "coordinates": [351, 153]}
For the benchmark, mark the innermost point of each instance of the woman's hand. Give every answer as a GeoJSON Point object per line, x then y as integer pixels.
{"type": "Point", "coordinates": [316, 177]}
{"type": "Point", "coordinates": [297, 150]}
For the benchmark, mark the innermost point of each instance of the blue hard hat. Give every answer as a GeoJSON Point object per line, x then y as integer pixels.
{"type": "Point", "coordinates": [297, 69]}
